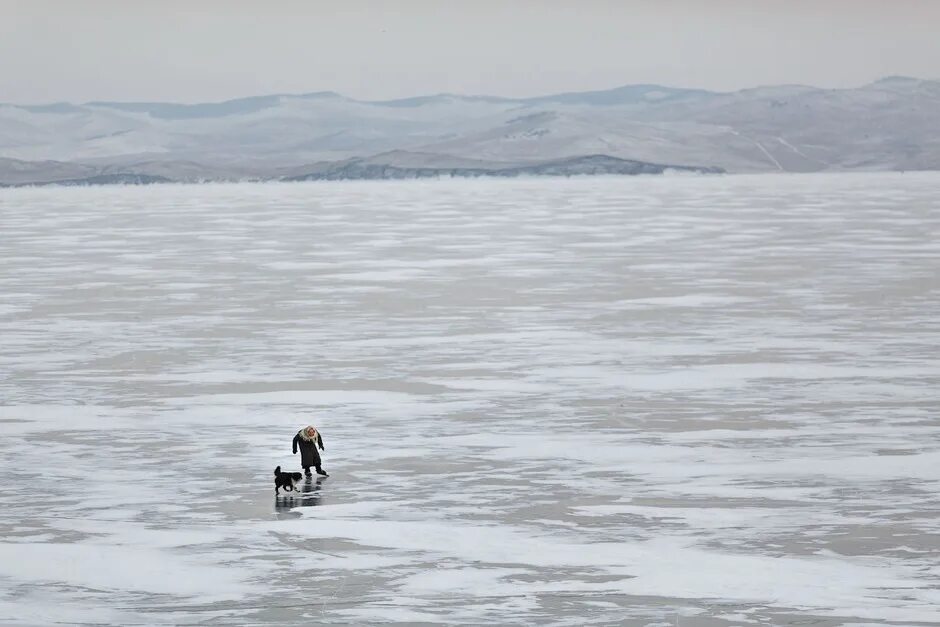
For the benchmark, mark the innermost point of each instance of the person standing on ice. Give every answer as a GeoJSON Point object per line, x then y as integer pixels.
{"type": "Point", "coordinates": [309, 438]}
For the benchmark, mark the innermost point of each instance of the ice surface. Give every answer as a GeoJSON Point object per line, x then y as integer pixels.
{"type": "Point", "coordinates": [590, 401]}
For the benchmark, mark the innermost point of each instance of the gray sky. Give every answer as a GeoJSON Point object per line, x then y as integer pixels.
{"type": "Point", "coordinates": [198, 50]}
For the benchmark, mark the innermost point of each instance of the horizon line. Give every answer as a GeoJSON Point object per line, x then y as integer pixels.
{"type": "Point", "coordinates": [330, 93]}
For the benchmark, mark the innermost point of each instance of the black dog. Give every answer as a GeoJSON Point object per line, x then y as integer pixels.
{"type": "Point", "coordinates": [286, 480]}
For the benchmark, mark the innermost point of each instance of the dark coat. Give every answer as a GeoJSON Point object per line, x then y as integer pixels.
{"type": "Point", "coordinates": [309, 456]}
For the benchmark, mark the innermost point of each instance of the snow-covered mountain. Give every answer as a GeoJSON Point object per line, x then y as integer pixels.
{"type": "Point", "coordinates": [891, 124]}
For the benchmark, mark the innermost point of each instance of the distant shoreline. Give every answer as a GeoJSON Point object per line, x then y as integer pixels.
{"type": "Point", "coordinates": [445, 178]}
{"type": "Point", "coordinates": [361, 170]}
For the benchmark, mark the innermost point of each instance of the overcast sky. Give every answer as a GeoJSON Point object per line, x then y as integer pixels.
{"type": "Point", "coordinates": [198, 50]}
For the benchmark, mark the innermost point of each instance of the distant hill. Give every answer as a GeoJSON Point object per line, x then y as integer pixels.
{"type": "Point", "coordinates": [887, 125]}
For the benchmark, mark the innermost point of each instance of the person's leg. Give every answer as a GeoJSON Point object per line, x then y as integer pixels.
{"type": "Point", "coordinates": [307, 470]}
{"type": "Point", "coordinates": [316, 463]}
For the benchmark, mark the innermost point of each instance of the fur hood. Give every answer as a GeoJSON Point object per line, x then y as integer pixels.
{"type": "Point", "coordinates": [308, 433]}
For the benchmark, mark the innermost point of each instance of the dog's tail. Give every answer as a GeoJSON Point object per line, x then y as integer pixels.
{"type": "Point", "coordinates": [277, 471]}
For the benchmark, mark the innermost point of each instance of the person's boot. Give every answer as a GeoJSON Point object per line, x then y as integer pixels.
{"type": "Point", "coordinates": [307, 471]}
{"type": "Point", "coordinates": [321, 472]}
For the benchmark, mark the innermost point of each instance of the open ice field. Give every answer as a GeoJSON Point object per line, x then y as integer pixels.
{"type": "Point", "coordinates": [639, 401]}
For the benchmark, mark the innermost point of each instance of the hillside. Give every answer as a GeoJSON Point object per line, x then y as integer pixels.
{"type": "Point", "coordinates": [887, 125]}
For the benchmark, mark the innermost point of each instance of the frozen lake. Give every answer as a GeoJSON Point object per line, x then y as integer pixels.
{"type": "Point", "coordinates": [641, 401]}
